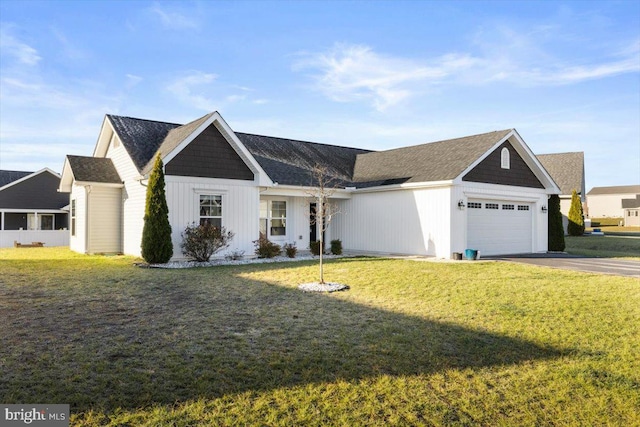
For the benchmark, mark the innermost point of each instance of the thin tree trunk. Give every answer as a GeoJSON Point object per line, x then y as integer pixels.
{"type": "Point", "coordinates": [321, 227]}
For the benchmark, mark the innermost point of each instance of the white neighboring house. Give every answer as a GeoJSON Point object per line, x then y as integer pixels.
{"type": "Point", "coordinates": [486, 192]}
{"type": "Point", "coordinates": [32, 209]}
{"type": "Point", "coordinates": [606, 202]}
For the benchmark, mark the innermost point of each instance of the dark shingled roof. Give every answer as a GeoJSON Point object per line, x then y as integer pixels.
{"type": "Point", "coordinates": [436, 161]}
{"type": "Point", "coordinates": [619, 189]}
{"type": "Point", "coordinates": [566, 169]}
{"type": "Point", "coordinates": [94, 169]}
{"type": "Point", "coordinates": [289, 162]}
{"type": "Point", "coordinates": [631, 203]}
{"type": "Point", "coordinates": [141, 138]}
{"type": "Point", "coordinates": [7, 177]}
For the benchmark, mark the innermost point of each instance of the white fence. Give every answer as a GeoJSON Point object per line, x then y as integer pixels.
{"type": "Point", "coordinates": [48, 237]}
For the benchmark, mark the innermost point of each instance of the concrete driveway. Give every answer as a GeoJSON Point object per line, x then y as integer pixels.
{"type": "Point", "coordinates": [616, 267]}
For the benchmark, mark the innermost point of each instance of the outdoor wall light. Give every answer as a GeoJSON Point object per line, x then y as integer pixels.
{"type": "Point", "coordinates": [460, 204]}
{"type": "Point", "coordinates": [544, 208]}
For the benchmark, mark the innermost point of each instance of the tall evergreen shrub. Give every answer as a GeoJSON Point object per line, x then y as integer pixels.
{"type": "Point", "coordinates": [156, 234]}
{"type": "Point", "coordinates": [555, 230]}
{"type": "Point", "coordinates": [576, 216]}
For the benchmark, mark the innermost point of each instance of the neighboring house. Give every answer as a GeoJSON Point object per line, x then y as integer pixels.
{"type": "Point", "coordinates": [606, 202]}
{"type": "Point", "coordinates": [631, 211]}
{"type": "Point", "coordinates": [486, 192]}
{"type": "Point", "coordinates": [32, 209]}
{"type": "Point", "coordinates": [567, 170]}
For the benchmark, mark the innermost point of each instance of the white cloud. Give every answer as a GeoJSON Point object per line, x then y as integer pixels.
{"type": "Point", "coordinates": [190, 89]}
{"type": "Point", "coordinates": [356, 72]}
{"type": "Point", "coordinates": [24, 53]}
{"type": "Point", "coordinates": [348, 73]}
{"type": "Point", "coordinates": [173, 19]}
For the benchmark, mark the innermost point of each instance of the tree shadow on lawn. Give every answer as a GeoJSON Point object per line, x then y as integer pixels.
{"type": "Point", "coordinates": [161, 337]}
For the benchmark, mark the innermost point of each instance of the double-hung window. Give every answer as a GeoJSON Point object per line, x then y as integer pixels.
{"type": "Point", "coordinates": [273, 218]}
{"type": "Point", "coordinates": [211, 209]}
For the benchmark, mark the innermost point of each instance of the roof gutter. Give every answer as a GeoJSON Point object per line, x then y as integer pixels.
{"type": "Point", "coordinates": [410, 186]}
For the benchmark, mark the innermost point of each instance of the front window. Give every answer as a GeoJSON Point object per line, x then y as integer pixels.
{"type": "Point", "coordinates": [273, 218]}
{"type": "Point", "coordinates": [40, 222]}
{"type": "Point", "coordinates": [211, 210]}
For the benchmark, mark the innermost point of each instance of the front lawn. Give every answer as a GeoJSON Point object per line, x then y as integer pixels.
{"type": "Point", "coordinates": [411, 343]}
{"type": "Point", "coordinates": [603, 246]}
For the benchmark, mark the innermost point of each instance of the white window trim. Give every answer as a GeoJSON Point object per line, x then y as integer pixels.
{"type": "Point", "coordinates": [200, 193]}
{"type": "Point", "coordinates": [269, 218]}
{"type": "Point", "coordinates": [505, 158]}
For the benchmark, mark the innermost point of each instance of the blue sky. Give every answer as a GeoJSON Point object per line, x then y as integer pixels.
{"type": "Point", "coordinates": [376, 75]}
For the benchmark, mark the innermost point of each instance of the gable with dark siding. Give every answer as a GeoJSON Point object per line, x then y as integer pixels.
{"type": "Point", "coordinates": [489, 170]}
{"type": "Point", "coordinates": [209, 155]}
{"type": "Point", "coordinates": [38, 192]}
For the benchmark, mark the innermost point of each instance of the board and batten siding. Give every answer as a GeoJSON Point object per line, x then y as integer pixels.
{"type": "Point", "coordinates": [133, 199]}
{"type": "Point", "coordinates": [105, 219]}
{"type": "Point", "coordinates": [240, 209]}
{"type": "Point", "coordinates": [406, 221]}
{"type": "Point", "coordinates": [78, 241]}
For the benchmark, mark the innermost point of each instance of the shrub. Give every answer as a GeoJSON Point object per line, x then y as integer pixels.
{"type": "Point", "coordinates": [556, 230]}
{"type": "Point", "coordinates": [156, 243]}
{"type": "Point", "coordinates": [234, 255]}
{"type": "Point", "coordinates": [266, 248]}
{"type": "Point", "coordinates": [199, 242]}
{"type": "Point", "coordinates": [576, 216]}
{"type": "Point", "coordinates": [315, 247]}
{"type": "Point", "coordinates": [336, 247]}
{"type": "Point", "coordinates": [290, 249]}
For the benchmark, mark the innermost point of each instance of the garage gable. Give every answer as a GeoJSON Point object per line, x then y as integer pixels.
{"type": "Point", "coordinates": [504, 166]}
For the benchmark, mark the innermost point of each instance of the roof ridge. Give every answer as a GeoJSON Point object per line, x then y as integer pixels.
{"type": "Point", "coordinates": [444, 140]}
{"type": "Point", "coordinates": [304, 142]}
{"type": "Point", "coordinates": [146, 120]}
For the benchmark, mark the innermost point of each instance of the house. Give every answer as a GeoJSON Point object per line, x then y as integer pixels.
{"type": "Point", "coordinates": [487, 192]}
{"type": "Point", "coordinates": [32, 209]}
{"type": "Point", "coordinates": [567, 170]}
{"type": "Point", "coordinates": [604, 202]}
{"type": "Point", "coordinates": [631, 211]}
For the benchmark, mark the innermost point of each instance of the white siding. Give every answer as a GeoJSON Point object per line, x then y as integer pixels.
{"type": "Point", "coordinates": [133, 200]}
{"type": "Point", "coordinates": [297, 221]}
{"type": "Point", "coordinates": [411, 221]}
{"type": "Point", "coordinates": [240, 209]}
{"type": "Point", "coordinates": [105, 224]}
{"type": "Point", "coordinates": [607, 205]}
{"type": "Point", "coordinates": [77, 243]}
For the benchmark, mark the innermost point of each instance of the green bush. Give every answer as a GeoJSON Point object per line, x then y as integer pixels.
{"type": "Point", "coordinates": [290, 249]}
{"type": "Point", "coordinates": [199, 242]}
{"type": "Point", "coordinates": [576, 216]}
{"type": "Point", "coordinates": [156, 234]}
{"type": "Point", "coordinates": [315, 247]}
{"type": "Point", "coordinates": [555, 231]}
{"type": "Point", "coordinates": [266, 248]}
{"type": "Point", "coordinates": [336, 247]}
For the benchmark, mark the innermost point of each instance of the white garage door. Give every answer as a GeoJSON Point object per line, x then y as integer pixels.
{"type": "Point", "coordinates": [497, 227]}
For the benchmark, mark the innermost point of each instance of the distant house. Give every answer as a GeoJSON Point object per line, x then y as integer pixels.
{"type": "Point", "coordinates": [606, 202]}
{"type": "Point", "coordinates": [487, 192]}
{"type": "Point", "coordinates": [32, 209]}
{"type": "Point", "coordinates": [631, 211]}
{"type": "Point", "coordinates": [567, 170]}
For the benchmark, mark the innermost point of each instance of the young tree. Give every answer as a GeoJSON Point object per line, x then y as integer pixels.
{"type": "Point", "coordinates": [324, 187]}
{"type": "Point", "coordinates": [156, 234]}
{"type": "Point", "coordinates": [576, 216]}
{"type": "Point", "coordinates": [555, 228]}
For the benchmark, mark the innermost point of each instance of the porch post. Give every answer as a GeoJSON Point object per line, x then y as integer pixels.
{"type": "Point", "coordinates": [1, 220]}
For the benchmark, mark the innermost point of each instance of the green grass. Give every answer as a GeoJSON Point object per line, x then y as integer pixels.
{"type": "Point", "coordinates": [601, 246]}
{"type": "Point", "coordinates": [411, 343]}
